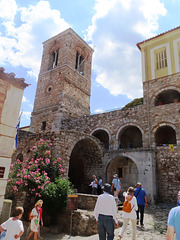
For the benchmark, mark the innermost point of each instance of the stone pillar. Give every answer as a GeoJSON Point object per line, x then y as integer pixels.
{"type": "Point", "coordinates": [6, 210]}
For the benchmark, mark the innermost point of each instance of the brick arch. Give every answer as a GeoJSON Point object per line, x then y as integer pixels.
{"type": "Point", "coordinates": [162, 124]}
{"type": "Point", "coordinates": [129, 124]}
{"type": "Point", "coordinates": [55, 46]}
{"type": "Point", "coordinates": [81, 137]}
{"type": "Point", "coordinates": [132, 124]}
{"type": "Point", "coordinates": [81, 50]}
{"type": "Point", "coordinates": [155, 95]}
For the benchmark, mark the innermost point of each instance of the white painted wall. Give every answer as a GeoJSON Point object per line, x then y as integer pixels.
{"type": "Point", "coordinates": [8, 123]}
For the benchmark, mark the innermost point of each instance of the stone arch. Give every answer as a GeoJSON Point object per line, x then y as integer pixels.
{"type": "Point", "coordinates": [85, 161]}
{"type": "Point", "coordinates": [166, 95]}
{"type": "Point", "coordinates": [127, 170]}
{"type": "Point", "coordinates": [165, 134]}
{"type": "Point", "coordinates": [130, 136]}
{"type": "Point", "coordinates": [103, 135]}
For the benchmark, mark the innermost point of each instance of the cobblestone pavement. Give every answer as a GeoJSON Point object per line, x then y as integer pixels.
{"type": "Point", "coordinates": [155, 224]}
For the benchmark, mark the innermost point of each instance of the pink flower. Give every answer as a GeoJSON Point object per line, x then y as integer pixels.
{"type": "Point", "coordinates": [47, 160]}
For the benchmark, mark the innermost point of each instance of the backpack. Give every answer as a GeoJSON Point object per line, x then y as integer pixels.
{"type": "Point", "coordinates": [127, 207]}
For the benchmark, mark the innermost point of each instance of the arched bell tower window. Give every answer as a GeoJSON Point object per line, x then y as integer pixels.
{"type": "Point", "coordinates": [79, 64]}
{"type": "Point", "coordinates": [55, 58]}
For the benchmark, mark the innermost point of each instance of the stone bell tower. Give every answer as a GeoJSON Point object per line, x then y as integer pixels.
{"type": "Point", "coordinates": [64, 83]}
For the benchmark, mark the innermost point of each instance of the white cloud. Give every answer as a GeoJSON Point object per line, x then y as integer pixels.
{"type": "Point", "coordinates": [22, 45]}
{"type": "Point", "coordinates": [8, 9]}
{"type": "Point", "coordinates": [99, 111]}
{"type": "Point", "coordinates": [117, 26]}
{"type": "Point", "coordinates": [24, 99]}
{"type": "Point", "coordinates": [27, 115]}
{"type": "Point", "coordinates": [31, 106]}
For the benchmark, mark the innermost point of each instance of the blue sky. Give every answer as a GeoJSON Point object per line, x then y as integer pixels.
{"type": "Point", "coordinates": [112, 27]}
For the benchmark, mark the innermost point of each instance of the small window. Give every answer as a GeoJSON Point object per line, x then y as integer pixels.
{"type": "Point", "coordinates": [161, 60]}
{"type": "Point", "coordinates": [43, 126]}
{"type": "Point", "coordinates": [79, 64]}
{"type": "Point", "coordinates": [55, 58]}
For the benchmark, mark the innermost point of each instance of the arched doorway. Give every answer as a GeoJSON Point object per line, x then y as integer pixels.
{"type": "Point", "coordinates": [85, 161]}
{"type": "Point", "coordinates": [126, 169]}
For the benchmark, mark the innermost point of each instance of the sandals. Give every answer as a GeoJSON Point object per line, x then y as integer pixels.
{"type": "Point", "coordinates": [119, 237]}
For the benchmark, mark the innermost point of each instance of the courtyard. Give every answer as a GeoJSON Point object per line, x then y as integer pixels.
{"type": "Point", "coordinates": [155, 224]}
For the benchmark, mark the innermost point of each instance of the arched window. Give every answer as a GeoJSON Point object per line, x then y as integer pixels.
{"type": "Point", "coordinates": [103, 137]}
{"type": "Point", "coordinates": [165, 135]}
{"type": "Point", "coordinates": [79, 64]}
{"type": "Point", "coordinates": [130, 137]}
{"type": "Point", "coordinates": [166, 97]}
{"type": "Point", "coordinates": [55, 58]}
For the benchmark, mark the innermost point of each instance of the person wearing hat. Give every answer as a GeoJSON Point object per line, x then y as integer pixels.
{"type": "Point", "coordinates": [141, 197]}
{"type": "Point", "coordinates": [116, 186]}
{"type": "Point", "coordinates": [105, 212]}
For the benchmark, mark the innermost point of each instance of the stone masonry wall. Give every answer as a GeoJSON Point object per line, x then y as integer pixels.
{"type": "Point", "coordinates": [112, 123]}
{"type": "Point", "coordinates": [164, 114]}
{"type": "Point", "coordinates": [168, 172]}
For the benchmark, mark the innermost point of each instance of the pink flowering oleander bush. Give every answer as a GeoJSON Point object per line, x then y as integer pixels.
{"type": "Point", "coordinates": [36, 172]}
{"type": "Point", "coordinates": [40, 176]}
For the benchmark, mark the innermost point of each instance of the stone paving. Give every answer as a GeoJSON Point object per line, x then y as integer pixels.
{"type": "Point", "coordinates": [155, 224]}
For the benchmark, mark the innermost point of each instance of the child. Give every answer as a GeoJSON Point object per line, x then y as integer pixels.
{"type": "Point", "coordinates": [13, 226]}
{"type": "Point", "coordinates": [36, 217]}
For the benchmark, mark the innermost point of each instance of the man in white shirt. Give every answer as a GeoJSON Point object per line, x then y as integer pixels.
{"type": "Point", "coordinates": [106, 214]}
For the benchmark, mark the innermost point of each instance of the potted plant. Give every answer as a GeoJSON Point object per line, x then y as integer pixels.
{"type": "Point", "coordinates": [160, 103]}
{"type": "Point", "coordinates": [176, 100]}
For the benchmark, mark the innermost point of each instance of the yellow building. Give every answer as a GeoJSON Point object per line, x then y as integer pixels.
{"type": "Point", "coordinates": [160, 55]}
